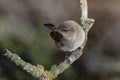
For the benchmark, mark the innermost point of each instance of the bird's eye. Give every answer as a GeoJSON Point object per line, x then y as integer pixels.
{"type": "Point", "coordinates": [65, 30]}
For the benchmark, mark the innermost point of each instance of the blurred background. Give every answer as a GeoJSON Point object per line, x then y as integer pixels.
{"type": "Point", "coordinates": [22, 32]}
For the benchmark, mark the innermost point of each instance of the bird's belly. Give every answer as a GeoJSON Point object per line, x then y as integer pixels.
{"type": "Point", "coordinates": [72, 46]}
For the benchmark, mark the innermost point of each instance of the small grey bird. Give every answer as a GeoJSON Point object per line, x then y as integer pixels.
{"type": "Point", "coordinates": [68, 36]}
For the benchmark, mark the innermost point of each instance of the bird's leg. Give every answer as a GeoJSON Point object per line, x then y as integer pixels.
{"type": "Point", "coordinates": [67, 53]}
{"type": "Point", "coordinates": [79, 48]}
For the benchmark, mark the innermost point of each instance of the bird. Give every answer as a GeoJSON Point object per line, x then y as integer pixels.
{"type": "Point", "coordinates": [68, 36]}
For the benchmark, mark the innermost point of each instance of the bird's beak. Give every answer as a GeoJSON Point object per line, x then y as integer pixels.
{"type": "Point", "coordinates": [51, 26]}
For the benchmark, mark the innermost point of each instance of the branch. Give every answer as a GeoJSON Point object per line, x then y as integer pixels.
{"type": "Point", "coordinates": [38, 71]}
{"type": "Point", "coordinates": [33, 70]}
{"type": "Point", "coordinates": [84, 10]}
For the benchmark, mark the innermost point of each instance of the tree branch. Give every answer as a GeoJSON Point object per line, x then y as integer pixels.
{"type": "Point", "coordinates": [38, 71]}
{"type": "Point", "coordinates": [84, 10]}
